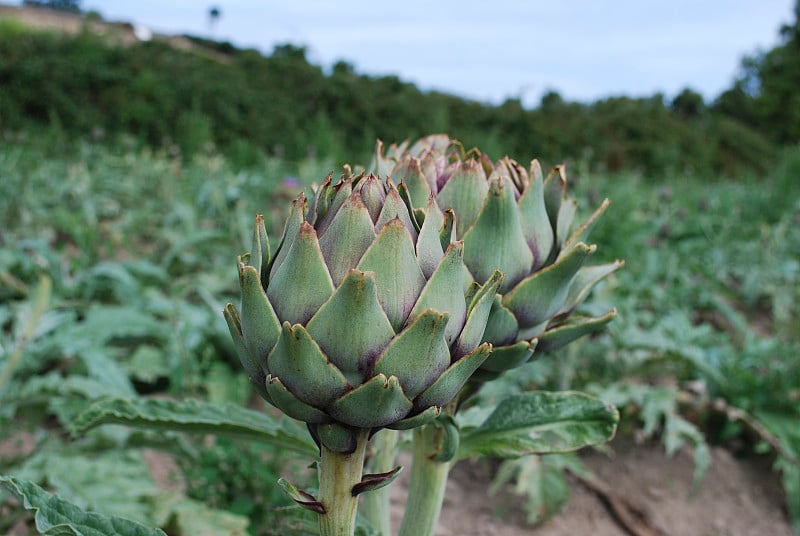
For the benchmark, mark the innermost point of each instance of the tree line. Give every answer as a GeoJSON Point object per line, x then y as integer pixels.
{"type": "Point", "coordinates": [246, 103]}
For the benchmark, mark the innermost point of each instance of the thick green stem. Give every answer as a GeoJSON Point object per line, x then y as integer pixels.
{"type": "Point", "coordinates": [376, 505]}
{"type": "Point", "coordinates": [338, 473]}
{"type": "Point", "coordinates": [428, 482]}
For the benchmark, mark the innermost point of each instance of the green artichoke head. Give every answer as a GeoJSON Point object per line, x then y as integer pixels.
{"type": "Point", "coordinates": [362, 317]}
{"type": "Point", "coordinates": [512, 219]}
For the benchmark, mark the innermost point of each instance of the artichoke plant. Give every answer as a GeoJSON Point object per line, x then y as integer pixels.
{"type": "Point", "coordinates": [514, 220]}
{"type": "Point", "coordinates": [363, 317]}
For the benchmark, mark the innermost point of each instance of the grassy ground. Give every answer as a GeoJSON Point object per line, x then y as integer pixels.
{"type": "Point", "coordinates": [115, 264]}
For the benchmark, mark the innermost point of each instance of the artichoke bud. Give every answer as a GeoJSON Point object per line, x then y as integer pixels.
{"type": "Point", "coordinates": [364, 317]}
{"type": "Point", "coordinates": [517, 221]}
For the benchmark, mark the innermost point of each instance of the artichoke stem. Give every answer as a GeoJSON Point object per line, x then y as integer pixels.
{"type": "Point", "coordinates": [428, 483]}
{"type": "Point", "coordinates": [338, 473]}
{"type": "Point", "coordinates": [376, 505]}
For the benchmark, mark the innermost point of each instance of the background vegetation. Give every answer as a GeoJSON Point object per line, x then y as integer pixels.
{"type": "Point", "coordinates": [245, 103]}
{"type": "Point", "coordinates": [128, 181]}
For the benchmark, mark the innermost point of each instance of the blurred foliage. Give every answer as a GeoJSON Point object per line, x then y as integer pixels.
{"type": "Point", "coordinates": [204, 93]}
{"type": "Point", "coordinates": [765, 95]}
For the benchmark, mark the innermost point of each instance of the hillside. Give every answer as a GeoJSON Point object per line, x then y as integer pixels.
{"type": "Point", "coordinates": [94, 79]}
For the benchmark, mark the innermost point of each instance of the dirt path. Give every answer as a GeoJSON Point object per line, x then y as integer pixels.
{"type": "Point", "coordinates": [737, 498]}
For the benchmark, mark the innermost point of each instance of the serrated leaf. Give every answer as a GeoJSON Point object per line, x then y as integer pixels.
{"type": "Point", "coordinates": [196, 417]}
{"type": "Point", "coordinates": [539, 423]}
{"type": "Point", "coordinates": [55, 516]}
{"type": "Point", "coordinates": [676, 431]}
{"type": "Point", "coordinates": [541, 480]}
{"type": "Point", "coordinates": [74, 474]}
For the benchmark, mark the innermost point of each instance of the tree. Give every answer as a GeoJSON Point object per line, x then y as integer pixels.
{"type": "Point", "coordinates": [688, 104]}
{"type": "Point", "coordinates": [765, 94]}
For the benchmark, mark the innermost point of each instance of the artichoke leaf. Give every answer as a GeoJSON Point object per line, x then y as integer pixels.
{"type": "Point", "coordinates": [574, 328]}
{"type": "Point", "coordinates": [445, 292]}
{"type": "Point", "coordinates": [304, 369]}
{"type": "Point", "coordinates": [375, 403]}
{"type": "Point", "coordinates": [541, 295]}
{"type": "Point", "coordinates": [292, 406]}
{"type": "Point", "coordinates": [453, 379]}
{"type": "Point", "coordinates": [302, 283]}
{"type": "Point", "coordinates": [465, 192]}
{"type": "Point", "coordinates": [485, 251]}
{"type": "Point", "coordinates": [351, 327]}
{"type": "Point", "coordinates": [347, 238]}
{"type": "Point", "coordinates": [398, 276]}
{"type": "Point", "coordinates": [419, 355]}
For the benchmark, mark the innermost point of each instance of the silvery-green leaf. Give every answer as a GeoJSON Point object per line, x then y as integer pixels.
{"type": "Point", "coordinates": [56, 516]}
{"type": "Point", "coordinates": [194, 416]}
{"type": "Point", "coordinates": [541, 422]}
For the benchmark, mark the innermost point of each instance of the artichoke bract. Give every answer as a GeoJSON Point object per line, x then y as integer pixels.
{"type": "Point", "coordinates": [362, 318]}
{"type": "Point", "coordinates": [512, 219]}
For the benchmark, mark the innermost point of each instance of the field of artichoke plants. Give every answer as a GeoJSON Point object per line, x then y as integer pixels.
{"type": "Point", "coordinates": [126, 391]}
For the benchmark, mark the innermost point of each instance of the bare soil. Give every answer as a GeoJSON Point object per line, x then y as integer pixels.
{"type": "Point", "coordinates": [738, 497]}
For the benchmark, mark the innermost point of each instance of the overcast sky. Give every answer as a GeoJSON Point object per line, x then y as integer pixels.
{"type": "Point", "coordinates": [493, 49]}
